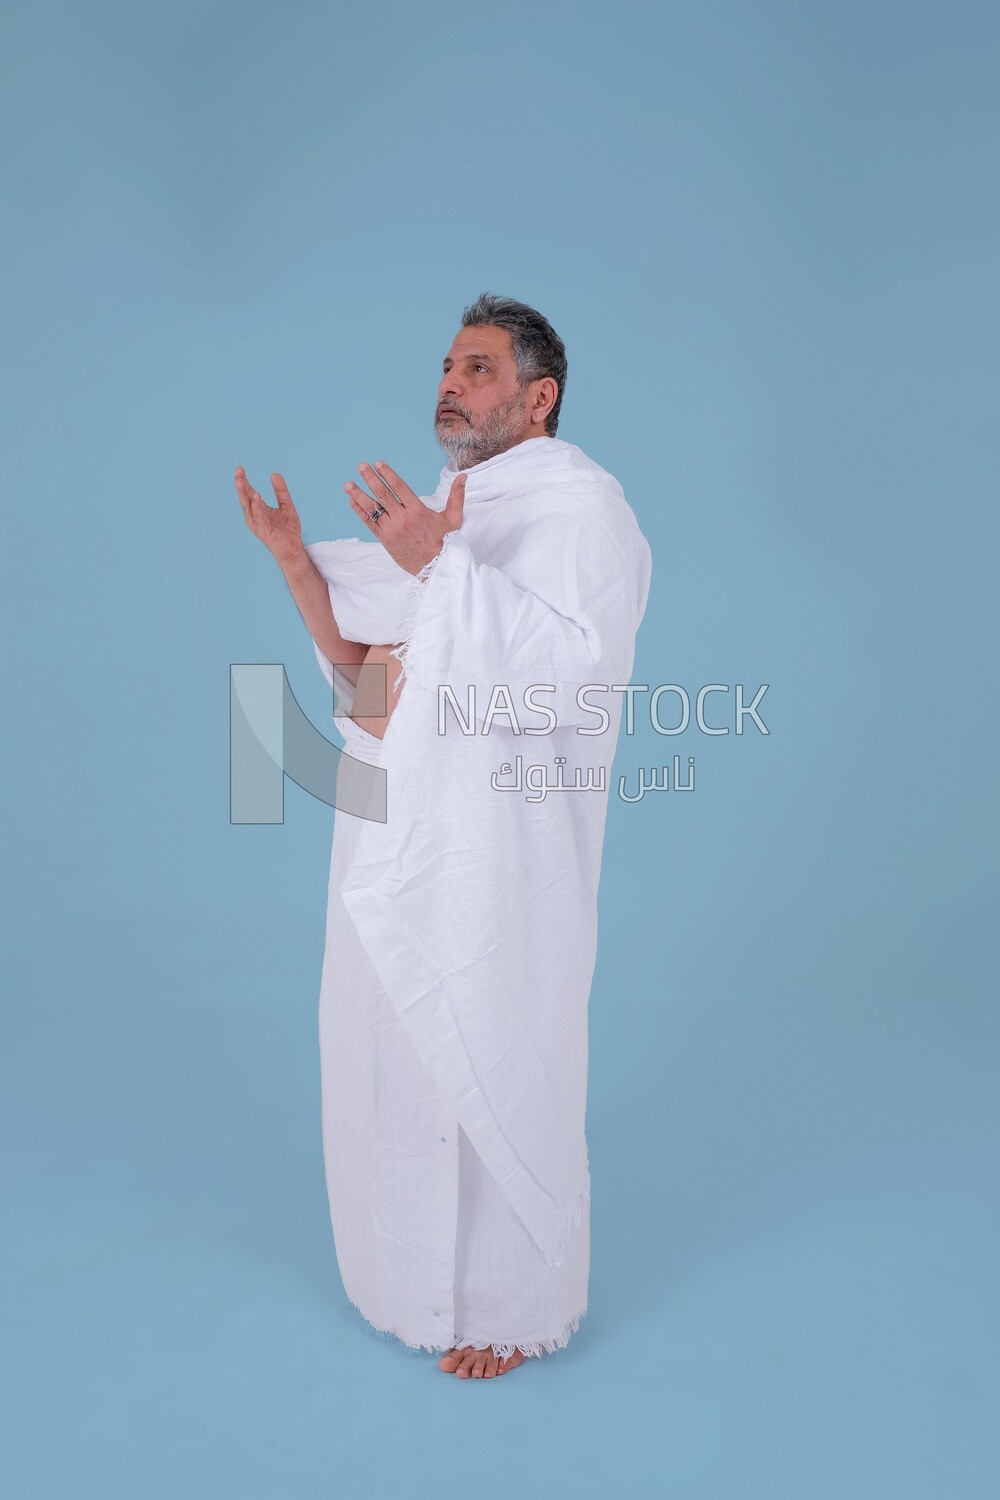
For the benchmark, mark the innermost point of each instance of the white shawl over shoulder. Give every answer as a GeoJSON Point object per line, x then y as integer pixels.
{"type": "Point", "coordinates": [476, 901]}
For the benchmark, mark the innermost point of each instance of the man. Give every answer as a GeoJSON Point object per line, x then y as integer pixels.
{"type": "Point", "coordinates": [481, 626]}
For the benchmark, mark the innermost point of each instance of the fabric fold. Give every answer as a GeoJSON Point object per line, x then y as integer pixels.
{"type": "Point", "coordinates": [475, 901]}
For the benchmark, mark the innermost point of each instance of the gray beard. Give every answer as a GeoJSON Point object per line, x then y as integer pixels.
{"type": "Point", "coordinates": [498, 431]}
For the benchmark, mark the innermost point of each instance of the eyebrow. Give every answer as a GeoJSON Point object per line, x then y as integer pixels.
{"type": "Point", "coordinates": [487, 357]}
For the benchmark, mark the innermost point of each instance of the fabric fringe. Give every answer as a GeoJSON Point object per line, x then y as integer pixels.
{"type": "Point", "coordinates": [411, 611]}
{"type": "Point", "coordinates": [542, 1346]}
{"type": "Point", "coordinates": [576, 1219]}
{"type": "Point", "coordinates": [389, 1335]}
{"type": "Point", "coordinates": [499, 1349]}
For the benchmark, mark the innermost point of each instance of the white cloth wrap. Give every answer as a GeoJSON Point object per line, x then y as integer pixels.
{"type": "Point", "coordinates": [476, 906]}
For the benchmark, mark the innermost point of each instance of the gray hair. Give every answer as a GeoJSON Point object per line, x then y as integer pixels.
{"type": "Point", "coordinates": [538, 349]}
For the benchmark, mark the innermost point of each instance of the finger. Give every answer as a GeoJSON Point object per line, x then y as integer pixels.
{"type": "Point", "coordinates": [360, 498]}
{"type": "Point", "coordinates": [356, 492]}
{"type": "Point", "coordinates": [241, 494]}
{"type": "Point", "coordinates": [248, 496]}
{"type": "Point", "coordinates": [378, 486]}
{"type": "Point", "coordinates": [399, 487]}
{"type": "Point", "coordinates": [281, 492]}
{"type": "Point", "coordinates": [362, 504]}
{"type": "Point", "coordinates": [243, 484]}
{"type": "Point", "coordinates": [454, 510]}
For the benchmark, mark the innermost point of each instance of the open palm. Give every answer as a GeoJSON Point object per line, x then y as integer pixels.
{"type": "Point", "coordinates": [280, 530]}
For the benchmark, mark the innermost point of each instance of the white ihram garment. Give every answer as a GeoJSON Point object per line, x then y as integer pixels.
{"type": "Point", "coordinates": [462, 930]}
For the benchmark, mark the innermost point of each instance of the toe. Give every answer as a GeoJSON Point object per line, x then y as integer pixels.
{"type": "Point", "coordinates": [449, 1361]}
{"type": "Point", "coordinates": [479, 1365]}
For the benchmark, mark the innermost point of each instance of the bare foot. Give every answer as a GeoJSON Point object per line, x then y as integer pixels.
{"type": "Point", "coordinates": [477, 1363]}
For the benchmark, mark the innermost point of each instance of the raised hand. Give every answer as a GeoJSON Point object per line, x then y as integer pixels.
{"type": "Point", "coordinates": [280, 530]}
{"type": "Point", "coordinates": [408, 529]}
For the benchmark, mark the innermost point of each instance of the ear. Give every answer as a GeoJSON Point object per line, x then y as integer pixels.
{"type": "Point", "coordinates": [546, 394]}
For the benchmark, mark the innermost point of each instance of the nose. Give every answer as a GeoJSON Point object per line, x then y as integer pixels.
{"type": "Point", "coordinates": [449, 385]}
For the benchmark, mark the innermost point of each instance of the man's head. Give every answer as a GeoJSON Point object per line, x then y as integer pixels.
{"type": "Point", "coordinates": [503, 381]}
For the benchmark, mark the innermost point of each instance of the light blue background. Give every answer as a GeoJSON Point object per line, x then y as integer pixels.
{"type": "Point", "coordinates": [244, 234]}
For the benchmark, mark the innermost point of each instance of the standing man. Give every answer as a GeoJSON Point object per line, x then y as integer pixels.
{"type": "Point", "coordinates": [487, 625]}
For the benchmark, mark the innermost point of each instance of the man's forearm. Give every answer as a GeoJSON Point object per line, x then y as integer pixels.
{"type": "Point", "coordinates": [309, 590]}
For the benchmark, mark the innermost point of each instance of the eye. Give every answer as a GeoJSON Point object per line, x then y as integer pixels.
{"type": "Point", "coordinates": [480, 367]}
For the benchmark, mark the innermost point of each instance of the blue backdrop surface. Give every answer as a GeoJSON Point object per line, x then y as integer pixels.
{"type": "Point", "coordinates": [769, 233]}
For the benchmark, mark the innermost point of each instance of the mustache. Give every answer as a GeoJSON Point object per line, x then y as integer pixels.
{"type": "Point", "coordinates": [451, 406]}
